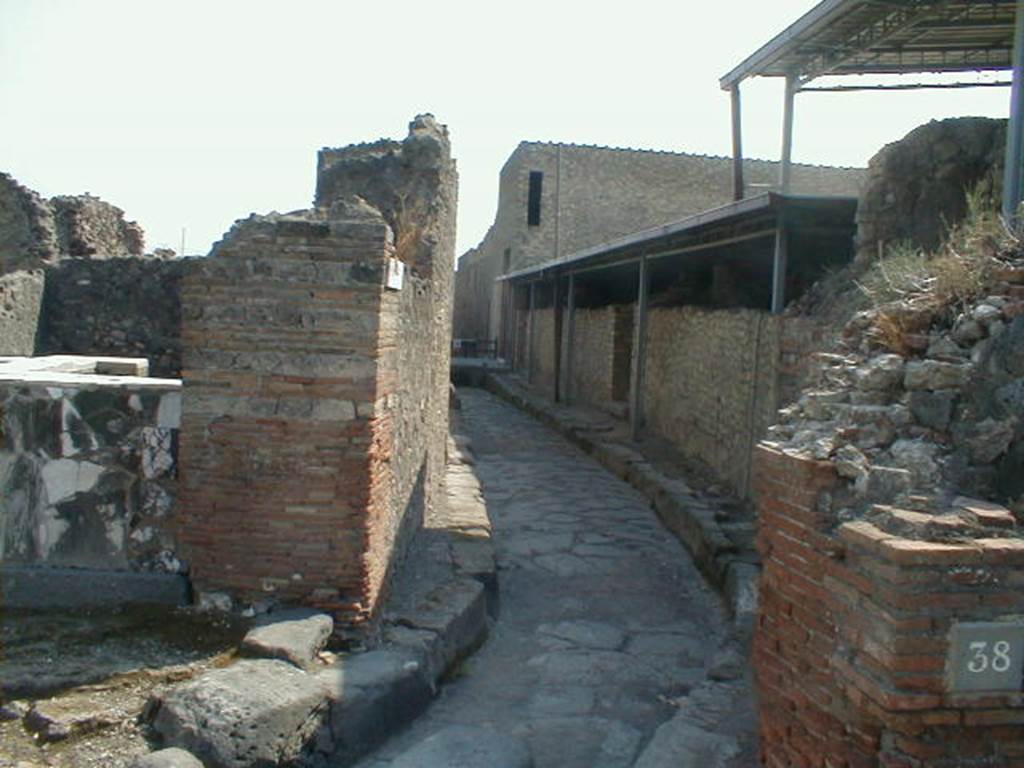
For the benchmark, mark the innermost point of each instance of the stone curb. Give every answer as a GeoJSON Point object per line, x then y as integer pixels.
{"type": "Point", "coordinates": [45, 587]}
{"type": "Point", "coordinates": [732, 570]}
{"type": "Point", "coordinates": [370, 695]}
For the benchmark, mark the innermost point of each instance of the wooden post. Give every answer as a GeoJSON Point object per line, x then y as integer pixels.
{"type": "Point", "coordinates": [639, 353]}
{"type": "Point", "coordinates": [737, 143]}
{"type": "Point", "coordinates": [786, 164]}
{"type": "Point", "coordinates": [567, 394]}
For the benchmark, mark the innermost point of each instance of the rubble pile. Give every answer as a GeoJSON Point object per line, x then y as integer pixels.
{"type": "Point", "coordinates": [926, 419]}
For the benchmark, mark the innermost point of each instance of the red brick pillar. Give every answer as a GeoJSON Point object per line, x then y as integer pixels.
{"type": "Point", "coordinates": [860, 624]}
{"type": "Point", "coordinates": [278, 462]}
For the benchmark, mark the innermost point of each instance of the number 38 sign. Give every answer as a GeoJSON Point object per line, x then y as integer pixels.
{"type": "Point", "coordinates": [986, 657]}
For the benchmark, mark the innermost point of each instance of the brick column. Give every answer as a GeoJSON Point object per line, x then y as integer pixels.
{"type": "Point", "coordinates": [852, 649]}
{"type": "Point", "coordinates": [281, 342]}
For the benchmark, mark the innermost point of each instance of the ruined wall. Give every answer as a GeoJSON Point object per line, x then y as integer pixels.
{"type": "Point", "coordinates": [21, 298]}
{"type": "Point", "coordinates": [88, 226]}
{"type": "Point", "coordinates": [917, 187]}
{"type": "Point", "coordinates": [34, 231]}
{"type": "Point", "coordinates": [590, 195]}
{"type": "Point", "coordinates": [125, 307]}
{"type": "Point", "coordinates": [316, 419]}
{"type": "Point", "coordinates": [853, 649]}
{"type": "Point", "coordinates": [28, 231]}
{"type": "Point", "coordinates": [88, 467]}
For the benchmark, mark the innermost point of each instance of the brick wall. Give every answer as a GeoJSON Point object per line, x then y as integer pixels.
{"type": "Point", "coordinates": [854, 627]}
{"type": "Point", "coordinates": [316, 410]}
{"type": "Point", "coordinates": [281, 341]}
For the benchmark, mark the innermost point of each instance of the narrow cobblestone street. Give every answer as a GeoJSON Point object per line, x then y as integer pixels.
{"type": "Point", "coordinates": [604, 621]}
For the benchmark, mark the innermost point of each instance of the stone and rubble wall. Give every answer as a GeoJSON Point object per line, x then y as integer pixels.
{"type": "Point", "coordinates": [88, 466]}
{"type": "Point", "coordinates": [124, 307]}
{"type": "Point", "coordinates": [918, 187]}
{"type": "Point", "coordinates": [593, 355]}
{"type": "Point", "coordinates": [713, 382]}
{"type": "Point", "coordinates": [315, 422]}
{"type": "Point", "coordinates": [35, 231]}
{"type": "Point", "coordinates": [543, 351]}
{"type": "Point", "coordinates": [21, 300]}
{"type": "Point", "coordinates": [890, 501]}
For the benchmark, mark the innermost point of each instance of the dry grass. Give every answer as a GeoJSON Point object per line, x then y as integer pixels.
{"type": "Point", "coordinates": [908, 288]}
{"type": "Point", "coordinates": [409, 231]}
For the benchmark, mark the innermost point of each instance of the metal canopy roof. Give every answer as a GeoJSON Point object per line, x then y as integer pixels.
{"type": "Point", "coordinates": [847, 37]}
{"type": "Point", "coordinates": [704, 230]}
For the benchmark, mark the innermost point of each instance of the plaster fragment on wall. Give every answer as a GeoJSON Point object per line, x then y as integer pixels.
{"type": "Point", "coordinates": [135, 403]}
{"type": "Point", "coordinates": [63, 478]}
{"type": "Point", "coordinates": [168, 414]}
{"type": "Point", "coordinates": [49, 531]}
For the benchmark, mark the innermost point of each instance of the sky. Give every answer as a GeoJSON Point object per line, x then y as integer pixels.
{"type": "Point", "coordinates": [190, 114]}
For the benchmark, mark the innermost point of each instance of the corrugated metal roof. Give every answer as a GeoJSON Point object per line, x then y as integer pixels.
{"type": "Point", "coordinates": [846, 37]}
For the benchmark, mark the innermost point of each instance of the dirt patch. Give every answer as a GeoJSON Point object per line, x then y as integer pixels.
{"type": "Point", "coordinates": [75, 684]}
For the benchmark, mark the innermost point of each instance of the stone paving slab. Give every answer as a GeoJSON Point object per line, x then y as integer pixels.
{"type": "Point", "coordinates": [606, 627]}
{"type": "Point", "coordinates": [723, 551]}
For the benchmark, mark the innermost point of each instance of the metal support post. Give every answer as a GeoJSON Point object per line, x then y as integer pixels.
{"type": "Point", "coordinates": [529, 333]}
{"type": "Point", "coordinates": [557, 336]}
{"type": "Point", "coordinates": [1012, 178]}
{"type": "Point", "coordinates": [737, 144]}
{"type": "Point", "coordinates": [636, 383]}
{"type": "Point", "coordinates": [779, 266]}
{"type": "Point", "coordinates": [567, 393]}
{"type": "Point", "coordinates": [786, 163]}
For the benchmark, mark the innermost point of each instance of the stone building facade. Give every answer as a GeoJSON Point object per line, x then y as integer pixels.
{"type": "Point", "coordinates": [557, 199]}
{"type": "Point", "coordinates": [315, 419]}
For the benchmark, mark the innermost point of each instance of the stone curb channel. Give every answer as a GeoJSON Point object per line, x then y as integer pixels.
{"type": "Point", "coordinates": [726, 558]}
{"type": "Point", "coordinates": [283, 705]}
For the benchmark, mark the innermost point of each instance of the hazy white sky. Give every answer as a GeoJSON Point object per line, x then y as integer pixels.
{"type": "Point", "coordinates": [193, 113]}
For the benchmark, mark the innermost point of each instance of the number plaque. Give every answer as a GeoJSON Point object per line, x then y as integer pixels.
{"type": "Point", "coordinates": [986, 657]}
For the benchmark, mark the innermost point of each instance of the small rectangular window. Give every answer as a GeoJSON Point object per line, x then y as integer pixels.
{"type": "Point", "coordinates": [506, 261]}
{"type": "Point", "coordinates": [533, 200]}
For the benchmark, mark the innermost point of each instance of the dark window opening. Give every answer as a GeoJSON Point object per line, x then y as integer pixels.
{"type": "Point", "coordinates": [506, 261]}
{"type": "Point", "coordinates": [533, 200]}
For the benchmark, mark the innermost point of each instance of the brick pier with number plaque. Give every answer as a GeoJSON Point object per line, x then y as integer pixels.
{"type": "Point", "coordinates": [895, 643]}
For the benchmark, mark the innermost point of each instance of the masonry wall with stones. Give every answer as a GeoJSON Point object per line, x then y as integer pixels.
{"type": "Point", "coordinates": [593, 355]}
{"type": "Point", "coordinates": [123, 307]}
{"type": "Point", "coordinates": [710, 383]}
{"type": "Point", "coordinates": [88, 467]}
{"type": "Point", "coordinates": [21, 301]}
{"type": "Point", "coordinates": [590, 195]}
{"type": "Point", "coordinates": [918, 187]}
{"type": "Point", "coordinates": [35, 231]}
{"type": "Point", "coordinates": [315, 425]}
{"type": "Point", "coordinates": [713, 383]}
